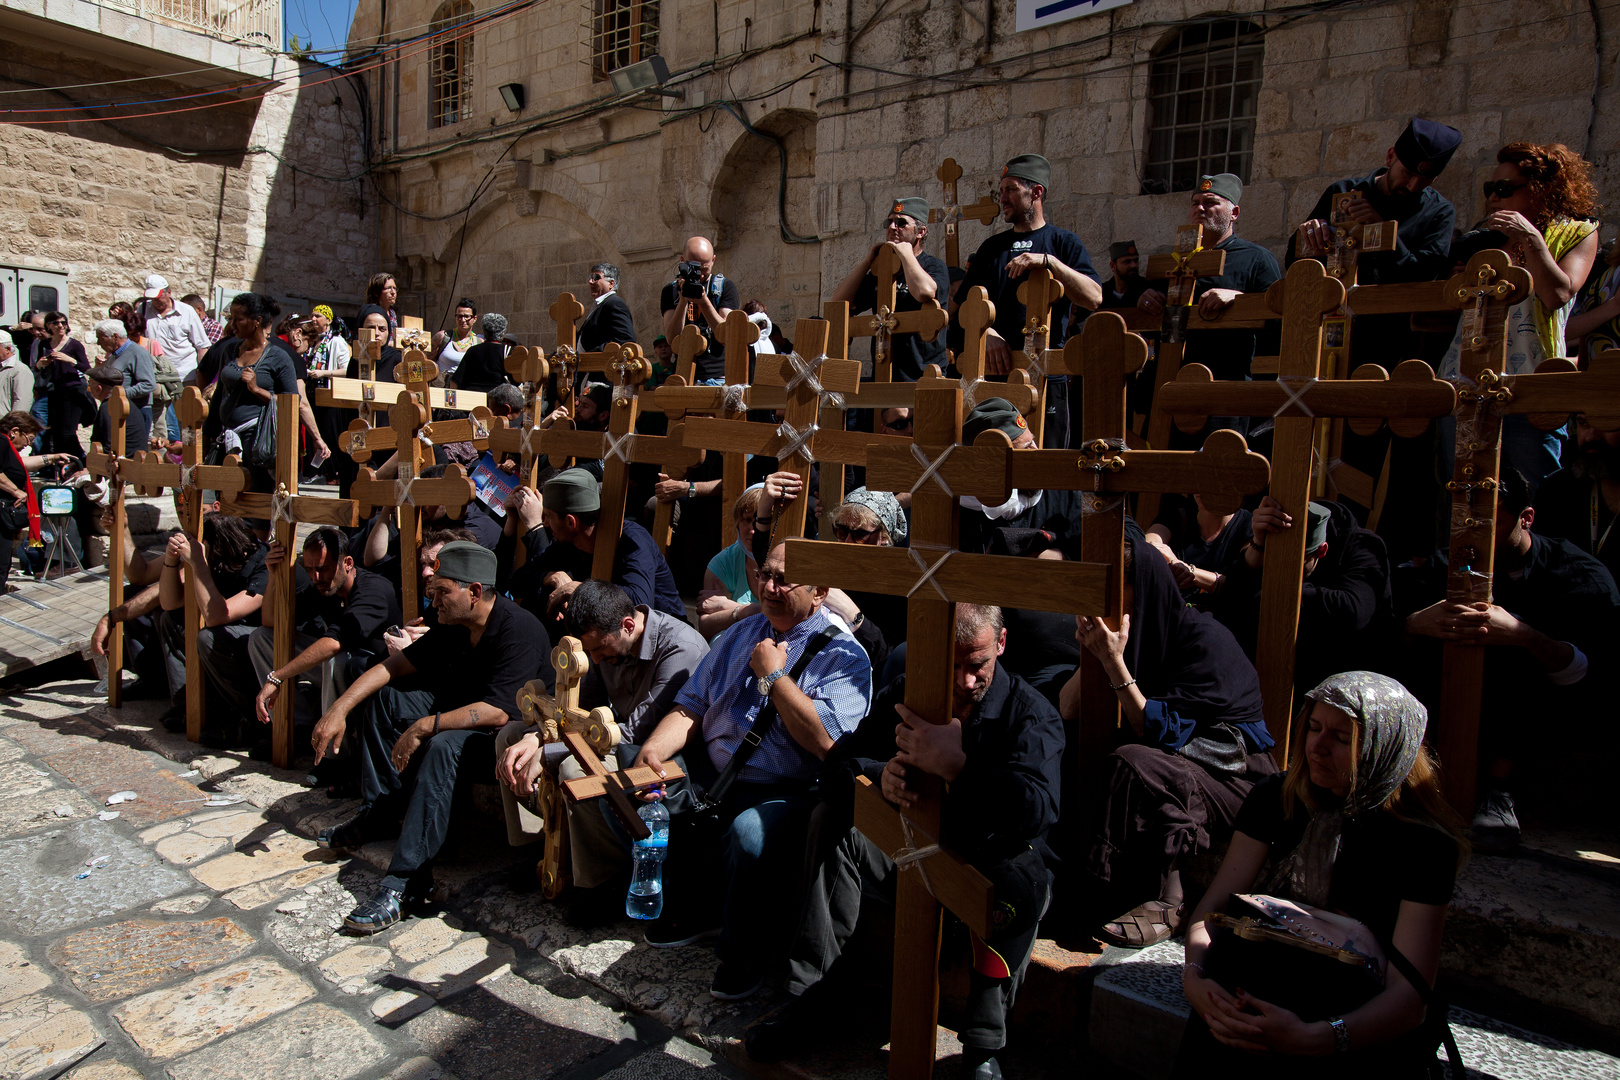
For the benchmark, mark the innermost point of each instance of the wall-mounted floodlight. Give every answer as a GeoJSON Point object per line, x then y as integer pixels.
{"type": "Point", "coordinates": [512, 94]}
{"type": "Point", "coordinates": [645, 76]}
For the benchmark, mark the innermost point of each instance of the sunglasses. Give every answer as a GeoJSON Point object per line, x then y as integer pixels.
{"type": "Point", "coordinates": [55, 322]}
{"type": "Point", "coordinates": [902, 424]}
{"type": "Point", "coordinates": [599, 277]}
{"type": "Point", "coordinates": [1502, 189]}
{"type": "Point", "coordinates": [844, 534]}
{"type": "Point", "coordinates": [899, 223]}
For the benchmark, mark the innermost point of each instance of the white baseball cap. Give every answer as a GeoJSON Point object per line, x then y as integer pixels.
{"type": "Point", "coordinates": [155, 283]}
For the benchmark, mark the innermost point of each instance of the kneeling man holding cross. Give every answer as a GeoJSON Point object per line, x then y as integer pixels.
{"type": "Point", "coordinates": [423, 736]}
{"type": "Point", "coordinates": [763, 708]}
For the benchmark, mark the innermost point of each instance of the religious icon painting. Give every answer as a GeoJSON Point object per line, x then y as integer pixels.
{"type": "Point", "coordinates": [368, 393]}
{"type": "Point", "coordinates": [449, 399]}
{"type": "Point", "coordinates": [1334, 334]}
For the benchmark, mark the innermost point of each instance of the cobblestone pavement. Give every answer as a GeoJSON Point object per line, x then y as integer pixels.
{"type": "Point", "coordinates": [196, 934]}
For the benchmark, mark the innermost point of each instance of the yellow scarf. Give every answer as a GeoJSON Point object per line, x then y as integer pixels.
{"type": "Point", "coordinates": [1561, 236]}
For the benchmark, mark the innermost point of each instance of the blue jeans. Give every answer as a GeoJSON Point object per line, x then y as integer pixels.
{"type": "Point", "coordinates": [40, 411]}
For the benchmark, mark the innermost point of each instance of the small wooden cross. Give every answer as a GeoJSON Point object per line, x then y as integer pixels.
{"type": "Point", "coordinates": [1038, 292]}
{"type": "Point", "coordinates": [453, 491]}
{"type": "Point", "coordinates": [102, 463]}
{"type": "Point", "coordinates": [149, 473]}
{"type": "Point", "coordinates": [590, 737]}
{"type": "Point", "coordinates": [688, 345]}
{"type": "Point", "coordinates": [985, 211]}
{"type": "Point", "coordinates": [885, 321]}
{"type": "Point", "coordinates": [1411, 398]}
{"type": "Point", "coordinates": [934, 575]}
{"type": "Point", "coordinates": [977, 314]}
{"type": "Point", "coordinates": [1181, 269]}
{"type": "Point", "coordinates": [286, 510]}
{"type": "Point", "coordinates": [564, 361]}
{"type": "Point", "coordinates": [416, 372]}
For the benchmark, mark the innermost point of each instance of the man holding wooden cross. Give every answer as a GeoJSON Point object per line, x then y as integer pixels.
{"type": "Point", "coordinates": [1000, 756]}
{"type": "Point", "coordinates": [416, 745]}
{"type": "Point", "coordinates": [640, 659]}
{"type": "Point", "coordinates": [1001, 263]}
{"type": "Point", "coordinates": [923, 278]}
{"type": "Point", "coordinates": [762, 710]}
{"type": "Point", "coordinates": [1216, 205]}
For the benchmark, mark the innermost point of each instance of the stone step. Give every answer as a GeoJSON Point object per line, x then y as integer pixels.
{"type": "Point", "coordinates": [1138, 1013]}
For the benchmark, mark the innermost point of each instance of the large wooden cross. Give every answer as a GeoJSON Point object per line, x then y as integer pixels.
{"type": "Point", "coordinates": [149, 472]}
{"type": "Point", "coordinates": [285, 509]}
{"type": "Point", "coordinates": [619, 447]}
{"type": "Point", "coordinates": [416, 372]}
{"type": "Point", "coordinates": [1181, 270]}
{"type": "Point", "coordinates": [977, 314]}
{"type": "Point", "coordinates": [1038, 292]}
{"type": "Point", "coordinates": [985, 211]}
{"type": "Point", "coordinates": [102, 462]}
{"type": "Point", "coordinates": [1408, 399]}
{"type": "Point", "coordinates": [590, 736]}
{"type": "Point", "coordinates": [885, 321]}
{"type": "Point", "coordinates": [677, 398]}
{"type": "Point", "coordinates": [935, 576]}
{"type": "Point", "coordinates": [408, 489]}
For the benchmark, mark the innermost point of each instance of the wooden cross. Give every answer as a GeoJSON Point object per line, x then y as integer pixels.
{"type": "Point", "coordinates": [453, 490]}
{"type": "Point", "coordinates": [1181, 269]}
{"type": "Point", "coordinates": [149, 473]}
{"type": "Point", "coordinates": [619, 447]}
{"type": "Point", "coordinates": [1351, 239]}
{"type": "Point", "coordinates": [676, 397]}
{"type": "Point", "coordinates": [935, 576]}
{"type": "Point", "coordinates": [813, 382]}
{"type": "Point", "coordinates": [985, 211]}
{"type": "Point", "coordinates": [1038, 292]}
{"type": "Point", "coordinates": [885, 321]}
{"type": "Point", "coordinates": [590, 736]}
{"type": "Point", "coordinates": [1409, 400]}
{"type": "Point", "coordinates": [977, 314]}
{"type": "Point", "coordinates": [360, 440]}
{"type": "Point", "coordinates": [688, 345]}
{"type": "Point", "coordinates": [102, 463]}
{"type": "Point", "coordinates": [286, 510]}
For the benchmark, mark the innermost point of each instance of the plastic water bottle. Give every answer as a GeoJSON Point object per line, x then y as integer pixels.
{"type": "Point", "coordinates": [645, 900]}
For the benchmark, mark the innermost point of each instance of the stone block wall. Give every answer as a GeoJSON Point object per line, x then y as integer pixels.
{"type": "Point", "coordinates": [251, 195]}
{"type": "Point", "coordinates": [868, 111]}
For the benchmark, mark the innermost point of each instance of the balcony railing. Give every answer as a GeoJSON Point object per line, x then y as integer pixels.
{"type": "Point", "coordinates": [253, 22]}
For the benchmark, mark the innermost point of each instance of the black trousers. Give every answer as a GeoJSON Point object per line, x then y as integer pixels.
{"type": "Point", "coordinates": [425, 792]}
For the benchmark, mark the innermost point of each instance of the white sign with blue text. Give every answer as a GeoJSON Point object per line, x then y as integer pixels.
{"type": "Point", "coordinates": [1034, 14]}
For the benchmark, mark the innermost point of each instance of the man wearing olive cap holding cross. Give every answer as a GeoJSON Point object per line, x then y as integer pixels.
{"type": "Point", "coordinates": [922, 277]}
{"type": "Point", "coordinates": [422, 737]}
{"type": "Point", "coordinates": [1001, 264]}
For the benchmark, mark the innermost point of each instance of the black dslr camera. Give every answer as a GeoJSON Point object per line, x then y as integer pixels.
{"type": "Point", "coordinates": [690, 275]}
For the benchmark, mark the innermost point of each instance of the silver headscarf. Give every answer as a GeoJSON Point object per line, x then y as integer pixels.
{"type": "Point", "coordinates": [886, 507]}
{"type": "Point", "coordinates": [1392, 724]}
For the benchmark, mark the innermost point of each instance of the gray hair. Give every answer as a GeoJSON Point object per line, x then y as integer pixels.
{"type": "Point", "coordinates": [607, 270]}
{"type": "Point", "coordinates": [494, 326]}
{"type": "Point", "coordinates": [974, 619]}
{"type": "Point", "coordinates": [113, 328]}
{"type": "Point", "coordinates": [507, 395]}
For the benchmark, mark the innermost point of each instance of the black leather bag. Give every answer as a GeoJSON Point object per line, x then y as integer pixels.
{"type": "Point", "coordinates": [259, 451]}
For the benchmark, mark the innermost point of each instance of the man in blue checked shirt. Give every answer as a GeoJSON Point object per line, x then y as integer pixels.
{"type": "Point", "coordinates": [744, 882]}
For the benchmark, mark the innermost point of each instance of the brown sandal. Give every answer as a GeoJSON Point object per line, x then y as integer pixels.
{"type": "Point", "coordinates": [1143, 925]}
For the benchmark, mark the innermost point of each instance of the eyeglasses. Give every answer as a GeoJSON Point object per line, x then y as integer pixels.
{"type": "Point", "coordinates": [1502, 189]}
{"type": "Point", "coordinates": [777, 580]}
{"type": "Point", "coordinates": [902, 424]}
{"type": "Point", "coordinates": [463, 318]}
{"type": "Point", "coordinates": [844, 534]}
{"type": "Point", "coordinates": [899, 223]}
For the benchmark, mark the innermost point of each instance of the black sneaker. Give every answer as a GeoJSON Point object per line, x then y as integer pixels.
{"type": "Point", "coordinates": [733, 982]}
{"type": "Point", "coordinates": [225, 738]}
{"type": "Point", "coordinates": [790, 1033]}
{"type": "Point", "coordinates": [384, 909]}
{"type": "Point", "coordinates": [668, 932]}
{"type": "Point", "coordinates": [984, 1063]}
{"type": "Point", "coordinates": [1496, 825]}
{"type": "Point", "coordinates": [174, 721]}
{"type": "Point", "coordinates": [344, 839]}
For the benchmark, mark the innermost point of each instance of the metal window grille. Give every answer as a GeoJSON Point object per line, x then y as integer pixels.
{"type": "Point", "coordinates": [450, 66]}
{"type": "Point", "coordinates": [623, 32]}
{"type": "Point", "coordinates": [1203, 89]}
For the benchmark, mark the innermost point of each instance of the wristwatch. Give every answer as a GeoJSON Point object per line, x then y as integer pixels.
{"type": "Point", "coordinates": [1341, 1034]}
{"type": "Point", "coordinates": [767, 681]}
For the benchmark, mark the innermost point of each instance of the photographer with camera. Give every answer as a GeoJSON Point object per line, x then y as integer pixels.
{"type": "Point", "coordinates": [703, 298]}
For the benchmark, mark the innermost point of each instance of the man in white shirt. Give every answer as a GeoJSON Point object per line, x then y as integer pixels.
{"type": "Point", "coordinates": [176, 326]}
{"type": "Point", "coordinates": [16, 381]}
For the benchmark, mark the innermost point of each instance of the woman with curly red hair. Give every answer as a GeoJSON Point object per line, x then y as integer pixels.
{"type": "Point", "coordinates": [1542, 208]}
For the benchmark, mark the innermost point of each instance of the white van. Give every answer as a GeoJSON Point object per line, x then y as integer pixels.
{"type": "Point", "coordinates": [31, 288]}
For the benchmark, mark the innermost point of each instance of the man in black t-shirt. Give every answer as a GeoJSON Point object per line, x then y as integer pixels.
{"type": "Point", "coordinates": [1249, 268]}
{"type": "Point", "coordinates": [416, 745]}
{"type": "Point", "coordinates": [705, 303]}
{"type": "Point", "coordinates": [922, 278]}
{"type": "Point", "coordinates": [341, 613]}
{"type": "Point", "coordinates": [1127, 285]}
{"type": "Point", "coordinates": [1005, 258]}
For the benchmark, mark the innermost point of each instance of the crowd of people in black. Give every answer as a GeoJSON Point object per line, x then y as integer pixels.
{"type": "Point", "coordinates": [783, 695]}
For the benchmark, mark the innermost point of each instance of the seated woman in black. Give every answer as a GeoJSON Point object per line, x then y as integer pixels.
{"type": "Point", "coordinates": [1192, 700]}
{"type": "Point", "coordinates": [1357, 826]}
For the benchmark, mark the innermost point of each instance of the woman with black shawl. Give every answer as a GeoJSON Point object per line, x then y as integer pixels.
{"type": "Point", "coordinates": [1192, 702]}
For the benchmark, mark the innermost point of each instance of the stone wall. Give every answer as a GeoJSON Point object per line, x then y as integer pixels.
{"type": "Point", "coordinates": [252, 195]}
{"type": "Point", "coordinates": [868, 111]}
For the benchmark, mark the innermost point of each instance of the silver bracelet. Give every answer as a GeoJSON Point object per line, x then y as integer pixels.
{"type": "Point", "coordinates": [272, 680]}
{"type": "Point", "coordinates": [1123, 685]}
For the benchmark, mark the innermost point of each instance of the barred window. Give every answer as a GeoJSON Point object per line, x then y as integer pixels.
{"type": "Point", "coordinates": [450, 66]}
{"type": "Point", "coordinates": [623, 32]}
{"type": "Point", "coordinates": [1204, 87]}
